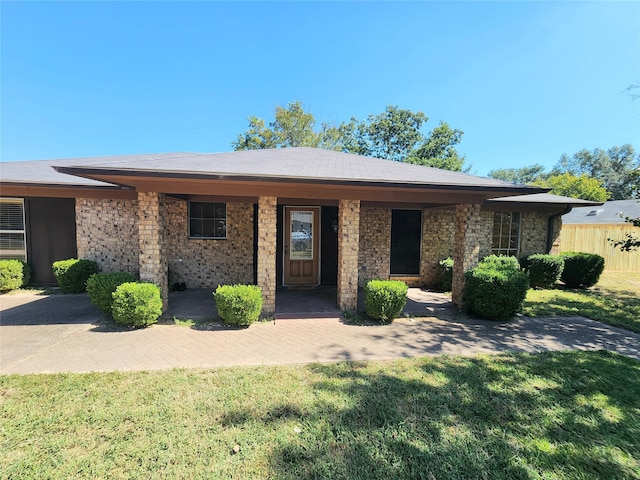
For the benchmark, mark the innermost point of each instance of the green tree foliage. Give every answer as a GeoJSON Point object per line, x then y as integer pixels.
{"type": "Point", "coordinates": [519, 175]}
{"type": "Point", "coordinates": [438, 150]}
{"type": "Point", "coordinates": [395, 134]}
{"type": "Point", "coordinates": [613, 168]}
{"type": "Point", "coordinates": [291, 127]}
{"type": "Point", "coordinates": [583, 186]}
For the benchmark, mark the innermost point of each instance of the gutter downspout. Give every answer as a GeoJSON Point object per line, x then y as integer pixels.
{"type": "Point", "coordinates": [552, 219]}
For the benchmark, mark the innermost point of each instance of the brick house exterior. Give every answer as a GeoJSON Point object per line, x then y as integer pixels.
{"type": "Point", "coordinates": [154, 215]}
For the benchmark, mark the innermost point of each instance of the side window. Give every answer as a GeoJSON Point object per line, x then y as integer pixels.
{"type": "Point", "coordinates": [406, 235]}
{"type": "Point", "coordinates": [12, 231]}
{"type": "Point", "coordinates": [207, 220]}
{"type": "Point", "coordinates": [506, 233]}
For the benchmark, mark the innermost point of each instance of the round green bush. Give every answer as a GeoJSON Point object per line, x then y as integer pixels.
{"type": "Point", "coordinates": [444, 275]}
{"type": "Point", "coordinates": [500, 262]}
{"type": "Point", "coordinates": [385, 299]}
{"type": "Point", "coordinates": [544, 270]}
{"type": "Point", "coordinates": [13, 274]}
{"type": "Point", "coordinates": [137, 304]}
{"type": "Point", "coordinates": [72, 274]}
{"type": "Point", "coordinates": [581, 270]}
{"type": "Point", "coordinates": [100, 287]}
{"type": "Point", "coordinates": [495, 294]}
{"type": "Point", "coordinates": [238, 305]}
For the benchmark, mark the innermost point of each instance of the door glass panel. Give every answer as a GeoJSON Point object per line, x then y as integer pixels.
{"type": "Point", "coordinates": [301, 235]}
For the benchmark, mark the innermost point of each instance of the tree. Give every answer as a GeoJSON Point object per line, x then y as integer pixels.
{"type": "Point", "coordinates": [395, 134]}
{"type": "Point", "coordinates": [519, 175]}
{"type": "Point", "coordinates": [438, 150]}
{"type": "Point", "coordinates": [613, 168]}
{"type": "Point", "coordinates": [292, 127]}
{"type": "Point", "coordinates": [583, 186]}
{"type": "Point", "coordinates": [630, 242]}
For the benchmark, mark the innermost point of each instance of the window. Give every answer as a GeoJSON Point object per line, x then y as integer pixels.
{"type": "Point", "coordinates": [506, 233]}
{"type": "Point", "coordinates": [12, 232]}
{"type": "Point", "coordinates": [406, 233]}
{"type": "Point", "coordinates": [207, 220]}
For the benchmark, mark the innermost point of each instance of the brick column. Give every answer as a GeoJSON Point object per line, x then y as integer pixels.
{"type": "Point", "coordinates": [153, 260]}
{"type": "Point", "coordinates": [466, 247]}
{"type": "Point", "coordinates": [348, 245]}
{"type": "Point", "coordinates": [267, 215]}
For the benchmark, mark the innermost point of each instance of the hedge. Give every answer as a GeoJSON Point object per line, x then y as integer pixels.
{"type": "Point", "coordinates": [500, 262]}
{"type": "Point", "coordinates": [137, 304]}
{"type": "Point", "coordinates": [385, 299]}
{"type": "Point", "coordinates": [13, 274]}
{"type": "Point", "coordinates": [494, 289]}
{"type": "Point", "coordinates": [238, 305]}
{"type": "Point", "coordinates": [444, 275]}
{"type": "Point", "coordinates": [72, 274]}
{"type": "Point", "coordinates": [544, 270]}
{"type": "Point", "coordinates": [581, 270]}
{"type": "Point", "coordinates": [100, 287]}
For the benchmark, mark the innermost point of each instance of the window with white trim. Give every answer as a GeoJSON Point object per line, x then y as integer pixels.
{"type": "Point", "coordinates": [207, 220]}
{"type": "Point", "coordinates": [12, 232]}
{"type": "Point", "coordinates": [506, 234]}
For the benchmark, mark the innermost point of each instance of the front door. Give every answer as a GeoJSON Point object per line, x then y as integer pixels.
{"type": "Point", "coordinates": [301, 238]}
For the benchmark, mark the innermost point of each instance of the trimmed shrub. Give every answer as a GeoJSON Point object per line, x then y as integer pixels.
{"type": "Point", "coordinates": [581, 270]}
{"type": "Point", "coordinates": [238, 305]}
{"type": "Point", "coordinates": [100, 287]}
{"type": "Point", "coordinates": [72, 274]}
{"type": "Point", "coordinates": [385, 299]}
{"type": "Point", "coordinates": [544, 270]}
{"type": "Point", "coordinates": [444, 275]}
{"type": "Point", "coordinates": [500, 262]}
{"type": "Point", "coordinates": [13, 274]}
{"type": "Point", "coordinates": [137, 304]}
{"type": "Point", "coordinates": [496, 294]}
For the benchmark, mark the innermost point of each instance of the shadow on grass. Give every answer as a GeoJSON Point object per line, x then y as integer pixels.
{"type": "Point", "coordinates": [529, 416]}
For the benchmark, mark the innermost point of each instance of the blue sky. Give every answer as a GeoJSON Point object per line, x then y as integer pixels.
{"type": "Point", "coordinates": [525, 81]}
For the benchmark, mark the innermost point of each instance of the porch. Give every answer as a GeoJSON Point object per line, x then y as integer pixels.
{"type": "Point", "coordinates": [297, 303]}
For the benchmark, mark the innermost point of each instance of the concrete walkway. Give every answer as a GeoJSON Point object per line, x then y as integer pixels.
{"type": "Point", "coordinates": [65, 333]}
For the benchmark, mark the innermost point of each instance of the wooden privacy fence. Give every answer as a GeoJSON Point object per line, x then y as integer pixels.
{"type": "Point", "coordinates": [593, 239]}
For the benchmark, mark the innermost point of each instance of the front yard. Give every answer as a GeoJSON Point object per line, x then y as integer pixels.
{"type": "Point", "coordinates": [614, 300]}
{"type": "Point", "coordinates": [551, 415]}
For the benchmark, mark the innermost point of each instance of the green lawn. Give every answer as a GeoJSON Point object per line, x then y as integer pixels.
{"type": "Point", "coordinates": [615, 300]}
{"type": "Point", "coordinates": [553, 415]}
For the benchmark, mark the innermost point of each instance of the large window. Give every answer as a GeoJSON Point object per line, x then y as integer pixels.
{"type": "Point", "coordinates": [506, 233]}
{"type": "Point", "coordinates": [207, 220]}
{"type": "Point", "coordinates": [12, 232]}
{"type": "Point", "coordinates": [406, 233]}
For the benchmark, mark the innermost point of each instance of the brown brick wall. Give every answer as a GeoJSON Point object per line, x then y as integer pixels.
{"type": "Point", "coordinates": [348, 246]}
{"type": "Point", "coordinates": [107, 232]}
{"type": "Point", "coordinates": [468, 230]}
{"type": "Point", "coordinates": [267, 218]}
{"type": "Point", "coordinates": [533, 233]}
{"type": "Point", "coordinates": [208, 263]}
{"type": "Point", "coordinates": [485, 233]}
{"type": "Point", "coordinates": [375, 244]}
{"type": "Point", "coordinates": [438, 228]}
{"type": "Point", "coordinates": [151, 239]}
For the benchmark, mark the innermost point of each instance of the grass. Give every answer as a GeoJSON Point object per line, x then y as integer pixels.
{"type": "Point", "coordinates": [562, 415]}
{"type": "Point", "coordinates": [614, 300]}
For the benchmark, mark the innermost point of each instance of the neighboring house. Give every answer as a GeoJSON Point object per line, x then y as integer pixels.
{"type": "Point", "coordinates": [588, 229]}
{"type": "Point", "coordinates": [295, 216]}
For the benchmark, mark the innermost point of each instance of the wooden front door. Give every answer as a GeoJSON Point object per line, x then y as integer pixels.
{"type": "Point", "coordinates": [301, 238]}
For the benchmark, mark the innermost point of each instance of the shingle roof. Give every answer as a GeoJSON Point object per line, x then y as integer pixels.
{"type": "Point", "coordinates": [292, 164]}
{"type": "Point", "coordinates": [610, 212]}
{"type": "Point", "coordinates": [546, 199]}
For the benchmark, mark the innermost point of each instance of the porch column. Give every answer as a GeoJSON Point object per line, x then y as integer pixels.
{"type": "Point", "coordinates": [348, 245]}
{"type": "Point", "coordinates": [466, 247]}
{"type": "Point", "coordinates": [153, 260]}
{"type": "Point", "coordinates": [266, 268]}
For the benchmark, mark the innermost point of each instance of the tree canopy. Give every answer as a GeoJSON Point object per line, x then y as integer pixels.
{"type": "Point", "coordinates": [519, 175]}
{"type": "Point", "coordinates": [395, 134]}
{"type": "Point", "coordinates": [568, 185]}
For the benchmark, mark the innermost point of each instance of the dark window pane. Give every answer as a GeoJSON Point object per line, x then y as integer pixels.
{"type": "Point", "coordinates": [207, 210]}
{"type": "Point", "coordinates": [195, 228]}
{"type": "Point", "coordinates": [195, 210]}
{"type": "Point", "coordinates": [406, 230]}
{"type": "Point", "coordinates": [221, 228]}
{"type": "Point", "coordinates": [221, 210]}
{"type": "Point", "coordinates": [208, 228]}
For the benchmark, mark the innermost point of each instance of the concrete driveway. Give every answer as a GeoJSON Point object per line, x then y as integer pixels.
{"type": "Point", "coordinates": [65, 333]}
